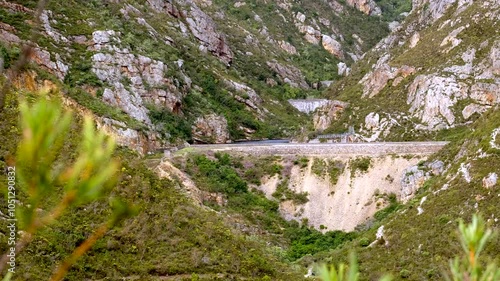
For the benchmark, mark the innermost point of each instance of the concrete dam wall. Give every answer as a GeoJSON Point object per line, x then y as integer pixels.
{"type": "Point", "coordinates": [328, 149]}
{"type": "Point", "coordinates": [353, 196]}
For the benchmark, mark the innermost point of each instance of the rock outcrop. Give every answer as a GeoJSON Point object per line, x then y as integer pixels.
{"type": "Point", "coordinates": [211, 129]}
{"type": "Point", "coordinates": [249, 96]}
{"type": "Point", "coordinates": [135, 79]}
{"type": "Point", "coordinates": [332, 46]}
{"type": "Point", "coordinates": [431, 98]}
{"type": "Point", "coordinates": [343, 70]}
{"type": "Point", "coordinates": [324, 115]}
{"type": "Point", "coordinates": [289, 48]}
{"type": "Point", "coordinates": [382, 72]}
{"type": "Point", "coordinates": [289, 74]}
{"type": "Point", "coordinates": [205, 30]}
{"type": "Point", "coordinates": [139, 141]}
{"type": "Point", "coordinates": [490, 181]}
{"type": "Point", "coordinates": [368, 7]}
{"type": "Point", "coordinates": [201, 25]}
{"type": "Point", "coordinates": [415, 176]}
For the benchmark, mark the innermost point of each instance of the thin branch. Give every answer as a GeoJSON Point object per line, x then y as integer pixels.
{"type": "Point", "coordinates": [78, 252]}
{"type": "Point", "coordinates": [26, 53]}
{"type": "Point", "coordinates": [35, 225]}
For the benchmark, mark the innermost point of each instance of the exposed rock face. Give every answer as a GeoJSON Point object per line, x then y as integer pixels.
{"type": "Point", "coordinates": [415, 38]}
{"type": "Point", "coordinates": [124, 136]}
{"type": "Point", "coordinates": [343, 70]}
{"type": "Point", "coordinates": [289, 48]}
{"type": "Point", "coordinates": [167, 170]}
{"type": "Point", "coordinates": [376, 80]}
{"type": "Point", "coordinates": [372, 121]}
{"type": "Point", "coordinates": [470, 109]}
{"type": "Point", "coordinates": [134, 78]}
{"type": "Point", "coordinates": [485, 93]}
{"type": "Point", "coordinates": [200, 24]}
{"type": "Point", "coordinates": [493, 140]}
{"type": "Point", "coordinates": [379, 238]}
{"type": "Point", "coordinates": [326, 114]}
{"type": "Point", "coordinates": [246, 95]}
{"type": "Point", "coordinates": [368, 7]}
{"type": "Point", "coordinates": [141, 142]}
{"type": "Point", "coordinates": [332, 46]}
{"type": "Point", "coordinates": [54, 34]}
{"type": "Point", "coordinates": [54, 64]}
{"type": "Point", "coordinates": [289, 74]}
{"type": "Point", "coordinates": [434, 10]}
{"type": "Point", "coordinates": [414, 177]}
{"type": "Point", "coordinates": [211, 129]}
{"type": "Point", "coordinates": [377, 124]}
{"type": "Point", "coordinates": [308, 106]}
{"type": "Point", "coordinates": [431, 98]}
{"type": "Point", "coordinates": [7, 34]}
{"type": "Point", "coordinates": [451, 41]}
{"type": "Point", "coordinates": [311, 34]}
{"type": "Point", "coordinates": [490, 181]}
{"type": "Point", "coordinates": [44, 59]}
{"type": "Point", "coordinates": [130, 102]}
{"type": "Point", "coordinates": [348, 202]}
{"type": "Point", "coordinates": [205, 30]}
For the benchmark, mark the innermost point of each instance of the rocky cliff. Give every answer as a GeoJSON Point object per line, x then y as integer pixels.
{"type": "Point", "coordinates": [438, 70]}
{"type": "Point", "coordinates": [169, 65]}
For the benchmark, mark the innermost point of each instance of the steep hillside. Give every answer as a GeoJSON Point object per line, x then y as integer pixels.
{"type": "Point", "coordinates": [419, 238]}
{"type": "Point", "coordinates": [438, 70]}
{"type": "Point", "coordinates": [197, 71]}
{"type": "Point", "coordinates": [172, 237]}
{"type": "Point", "coordinates": [160, 73]}
{"type": "Point", "coordinates": [436, 76]}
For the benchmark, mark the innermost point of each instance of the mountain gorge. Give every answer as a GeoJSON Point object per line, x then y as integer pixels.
{"type": "Point", "coordinates": [202, 71]}
{"type": "Point", "coordinates": [159, 75]}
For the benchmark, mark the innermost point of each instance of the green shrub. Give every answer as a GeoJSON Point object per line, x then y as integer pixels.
{"type": "Point", "coordinates": [306, 241]}
{"type": "Point", "coordinates": [318, 167]}
{"type": "Point", "coordinates": [394, 205]}
{"type": "Point", "coordinates": [335, 169]}
{"type": "Point", "coordinates": [8, 55]}
{"type": "Point", "coordinates": [302, 162]}
{"type": "Point", "coordinates": [283, 193]}
{"type": "Point", "coordinates": [404, 273]}
{"type": "Point", "coordinates": [81, 74]}
{"type": "Point", "coordinates": [364, 242]}
{"type": "Point", "coordinates": [171, 126]}
{"type": "Point", "coordinates": [361, 164]}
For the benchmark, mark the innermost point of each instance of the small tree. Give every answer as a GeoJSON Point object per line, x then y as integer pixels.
{"type": "Point", "coordinates": [473, 238]}
{"type": "Point", "coordinates": [94, 171]}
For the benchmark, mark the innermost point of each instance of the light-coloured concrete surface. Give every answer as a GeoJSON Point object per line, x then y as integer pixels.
{"type": "Point", "coordinates": [327, 149]}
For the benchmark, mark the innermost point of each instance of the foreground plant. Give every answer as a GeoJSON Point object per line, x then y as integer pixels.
{"type": "Point", "coordinates": [40, 175]}
{"type": "Point", "coordinates": [473, 238]}
{"type": "Point", "coordinates": [342, 273]}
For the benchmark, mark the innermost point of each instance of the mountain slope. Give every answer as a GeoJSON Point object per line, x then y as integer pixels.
{"type": "Point", "coordinates": [438, 70]}
{"type": "Point", "coordinates": [197, 71]}
{"type": "Point", "coordinates": [420, 237]}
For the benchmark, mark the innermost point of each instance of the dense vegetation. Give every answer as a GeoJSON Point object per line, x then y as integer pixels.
{"type": "Point", "coordinates": [169, 236]}
{"type": "Point", "coordinates": [225, 175]}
